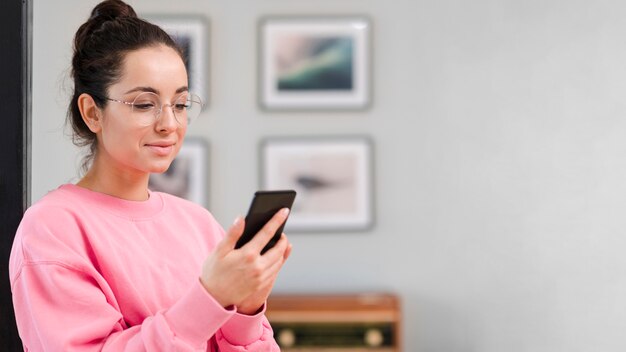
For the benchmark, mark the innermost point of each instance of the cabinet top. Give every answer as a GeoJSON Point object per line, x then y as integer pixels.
{"type": "Point", "coordinates": [333, 302]}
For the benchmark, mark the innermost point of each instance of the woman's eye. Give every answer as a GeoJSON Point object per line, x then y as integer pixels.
{"type": "Point", "coordinates": [180, 107]}
{"type": "Point", "coordinates": [144, 106]}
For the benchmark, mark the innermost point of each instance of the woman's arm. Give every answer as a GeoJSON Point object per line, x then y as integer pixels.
{"type": "Point", "coordinates": [60, 308]}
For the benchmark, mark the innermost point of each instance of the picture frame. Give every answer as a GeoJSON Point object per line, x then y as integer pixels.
{"type": "Point", "coordinates": [191, 33]}
{"type": "Point", "coordinates": [333, 178]}
{"type": "Point", "coordinates": [187, 176]}
{"type": "Point", "coordinates": [314, 62]}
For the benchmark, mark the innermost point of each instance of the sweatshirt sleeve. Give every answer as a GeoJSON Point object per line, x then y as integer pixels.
{"type": "Point", "coordinates": [59, 308]}
{"type": "Point", "coordinates": [247, 333]}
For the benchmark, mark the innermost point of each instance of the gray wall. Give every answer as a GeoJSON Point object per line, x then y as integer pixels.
{"type": "Point", "coordinates": [500, 161]}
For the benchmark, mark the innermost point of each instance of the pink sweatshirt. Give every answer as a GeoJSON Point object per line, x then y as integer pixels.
{"type": "Point", "coordinates": [92, 272]}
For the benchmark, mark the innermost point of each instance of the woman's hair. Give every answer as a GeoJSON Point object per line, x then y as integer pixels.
{"type": "Point", "coordinates": [100, 46]}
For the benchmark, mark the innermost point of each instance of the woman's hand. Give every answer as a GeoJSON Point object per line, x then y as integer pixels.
{"type": "Point", "coordinates": [253, 303]}
{"type": "Point", "coordinates": [243, 277]}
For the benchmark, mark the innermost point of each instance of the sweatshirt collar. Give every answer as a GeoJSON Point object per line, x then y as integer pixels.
{"type": "Point", "coordinates": [134, 210]}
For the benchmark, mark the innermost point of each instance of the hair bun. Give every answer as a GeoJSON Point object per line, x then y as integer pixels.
{"type": "Point", "coordinates": [112, 9]}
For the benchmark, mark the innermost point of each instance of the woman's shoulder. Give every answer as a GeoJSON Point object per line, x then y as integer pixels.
{"type": "Point", "coordinates": [60, 200]}
{"type": "Point", "coordinates": [57, 207]}
{"type": "Point", "coordinates": [50, 228]}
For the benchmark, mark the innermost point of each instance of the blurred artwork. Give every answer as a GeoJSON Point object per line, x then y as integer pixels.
{"type": "Point", "coordinates": [314, 63]}
{"type": "Point", "coordinates": [332, 178]}
{"type": "Point", "coordinates": [326, 184]}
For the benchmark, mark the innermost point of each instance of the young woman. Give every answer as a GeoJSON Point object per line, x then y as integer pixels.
{"type": "Point", "coordinates": [107, 264]}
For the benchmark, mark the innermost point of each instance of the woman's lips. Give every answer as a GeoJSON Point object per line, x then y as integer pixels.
{"type": "Point", "coordinates": [161, 150]}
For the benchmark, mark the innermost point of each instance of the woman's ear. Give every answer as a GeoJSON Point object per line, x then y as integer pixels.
{"type": "Point", "coordinates": [90, 112]}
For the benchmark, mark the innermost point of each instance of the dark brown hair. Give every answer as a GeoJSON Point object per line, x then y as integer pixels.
{"type": "Point", "coordinates": [100, 45]}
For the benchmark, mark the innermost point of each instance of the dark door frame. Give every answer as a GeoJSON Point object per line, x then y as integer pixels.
{"type": "Point", "coordinates": [15, 89]}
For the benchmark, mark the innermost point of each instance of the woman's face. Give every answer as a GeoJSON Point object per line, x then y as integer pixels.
{"type": "Point", "coordinates": [124, 144]}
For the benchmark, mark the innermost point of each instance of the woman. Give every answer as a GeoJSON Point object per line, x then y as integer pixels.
{"type": "Point", "coordinates": [107, 264]}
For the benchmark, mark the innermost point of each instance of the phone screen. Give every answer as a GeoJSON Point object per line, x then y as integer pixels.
{"type": "Point", "coordinates": [264, 206]}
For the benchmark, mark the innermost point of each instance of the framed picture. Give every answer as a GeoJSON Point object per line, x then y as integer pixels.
{"type": "Point", "coordinates": [191, 34]}
{"type": "Point", "coordinates": [332, 176]}
{"type": "Point", "coordinates": [187, 175]}
{"type": "Point", "coordinates": [314, 63]}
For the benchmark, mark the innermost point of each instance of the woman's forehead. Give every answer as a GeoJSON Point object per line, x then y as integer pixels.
{"type": "Point", "coordinates": [159, 67]}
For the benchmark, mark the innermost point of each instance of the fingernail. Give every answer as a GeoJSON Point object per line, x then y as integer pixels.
{"type": "Point", "coordinates": [284, 211]}
{"type": "Point", "coordinates": [237, 220]}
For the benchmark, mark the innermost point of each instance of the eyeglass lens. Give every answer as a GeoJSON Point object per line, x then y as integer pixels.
{"type": "Point", "coordinates": [148, 107]}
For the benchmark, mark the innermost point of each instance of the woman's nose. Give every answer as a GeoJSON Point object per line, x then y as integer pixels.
{"type": "Point", "coordinates": [167, 119]}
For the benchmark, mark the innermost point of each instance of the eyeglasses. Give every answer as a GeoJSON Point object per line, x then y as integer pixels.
{"type": "Point", "coordinates": [147, 107]}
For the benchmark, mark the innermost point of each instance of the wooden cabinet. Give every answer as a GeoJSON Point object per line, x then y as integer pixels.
{"type": "Point", "coordinates": [341, 323]}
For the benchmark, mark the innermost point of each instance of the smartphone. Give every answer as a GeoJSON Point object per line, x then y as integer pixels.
{"type": "Point", "coordinates": [264, 206]}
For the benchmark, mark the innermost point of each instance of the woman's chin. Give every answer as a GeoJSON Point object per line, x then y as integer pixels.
{"type": "Point", "coordinates": [160, 168]}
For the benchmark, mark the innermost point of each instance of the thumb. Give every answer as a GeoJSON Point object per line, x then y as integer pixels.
{"type": "Point", "coordinates": [233, 234]}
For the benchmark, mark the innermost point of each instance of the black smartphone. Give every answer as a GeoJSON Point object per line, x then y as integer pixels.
{"type": "Point", "coordinates": [264, 206]}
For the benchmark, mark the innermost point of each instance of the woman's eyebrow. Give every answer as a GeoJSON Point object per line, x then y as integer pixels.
{"type": "Point", "coordinates": [143, 89]}
{"type": "Point", "coordinates": [156, 91]}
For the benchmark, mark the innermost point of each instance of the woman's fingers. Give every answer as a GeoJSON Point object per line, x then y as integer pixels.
{"type": "Point", "coordinates": [260, 240]}
{"type": "Point", "coordinates": [275, 260]}
{"type": "Point", "coordinates": [271, 273]}
{"type": "Point", "coordinates": [287, 251]}
{"type": "Point", "coordinates": [276, 253]}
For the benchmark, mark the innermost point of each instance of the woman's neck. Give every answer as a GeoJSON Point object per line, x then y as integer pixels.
{"type": "Point", "coordinates": [116, 183]}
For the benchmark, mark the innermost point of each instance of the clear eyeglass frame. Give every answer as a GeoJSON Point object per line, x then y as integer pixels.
{"type": "Point", "coordinates": [147, 107]}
